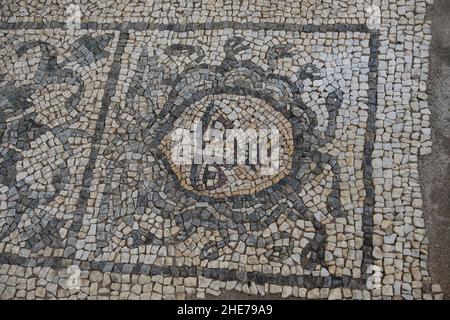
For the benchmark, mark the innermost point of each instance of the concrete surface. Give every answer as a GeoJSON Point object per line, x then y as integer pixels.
{"type": "Point", "coordinates": [435, 168]}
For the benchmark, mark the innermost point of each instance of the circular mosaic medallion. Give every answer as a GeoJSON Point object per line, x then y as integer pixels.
{"type": "Point", "coordinates": [233, 140]}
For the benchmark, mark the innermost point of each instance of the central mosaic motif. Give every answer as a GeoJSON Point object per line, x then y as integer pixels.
{"type": "Point", "coordinates": [228, 215]}
{"type": "Point", "coordinates": [217, 177]}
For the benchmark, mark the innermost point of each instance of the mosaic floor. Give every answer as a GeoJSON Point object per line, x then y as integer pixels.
{"type": "Point", "coordinates": [92, 205]}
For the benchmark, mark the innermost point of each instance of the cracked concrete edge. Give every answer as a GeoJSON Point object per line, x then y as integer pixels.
{"type": "Point", "coordinates": [434, 168]}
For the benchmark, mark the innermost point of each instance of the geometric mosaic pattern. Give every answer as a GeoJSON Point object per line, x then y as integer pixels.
{"type": "Point", "coordinates": [87, 182]}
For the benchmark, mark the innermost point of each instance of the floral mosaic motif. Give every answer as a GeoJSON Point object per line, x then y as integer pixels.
{"type": "Point", "coordinates": [24, 127]}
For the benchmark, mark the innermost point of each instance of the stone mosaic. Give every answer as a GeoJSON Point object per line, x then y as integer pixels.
{"type": "Point", "coordinates": [94, 206]}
